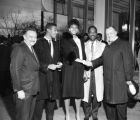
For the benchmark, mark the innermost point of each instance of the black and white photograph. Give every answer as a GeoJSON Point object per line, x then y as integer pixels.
{"type": "Point", "coordinates": [69, 59]}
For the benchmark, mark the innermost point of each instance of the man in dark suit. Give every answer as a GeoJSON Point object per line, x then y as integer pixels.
{"type": "Point", "coordinates": [24, 69]}
{"type": "Point", "coordinates": [48, 53]}
{"type": "Point", "coordinates": [118, 66]}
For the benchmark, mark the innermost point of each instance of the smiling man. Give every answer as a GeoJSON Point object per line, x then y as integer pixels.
{"type": "Point", "coordinates": [24, 69]}
{"type": "Point", "coordinates": [93, 86]}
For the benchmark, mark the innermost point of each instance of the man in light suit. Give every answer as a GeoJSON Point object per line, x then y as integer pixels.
{"type": "Point", "coordinates": [24, 69]}
{"type": "Point", "coordinates": [94, 86]}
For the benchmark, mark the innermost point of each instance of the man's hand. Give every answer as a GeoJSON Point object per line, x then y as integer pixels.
{"type": "Point", "coordinates": [87, 63]}
{"type": "Point", "coordinates": [52, 67]}
{"type": "Point", "coordinates": [21, 94]}
{"type": "Point", "coordinates": [86, 76]}
{"type": "Point", "coordinates": [79, 60]}
{"type": "Point", "coordinates": [129, 82]}
{"type": "Point", "coordinates": [131, 87]}
{"type": "Point", "coordinates": [59, 65]}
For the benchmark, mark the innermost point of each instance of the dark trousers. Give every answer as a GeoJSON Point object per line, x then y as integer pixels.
{"type": "Point", "coordinates": [25, 107]}
{"type": "Point", "coordinates": [48, 105]}
{"type": "Point", "coordinates": [91, 108]}
{"type": "Point", "coordinates": [116, 111]}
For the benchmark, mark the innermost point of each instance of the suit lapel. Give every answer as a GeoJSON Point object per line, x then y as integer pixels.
{"type": "Point", "coordinates": [97, 47]}
{"type": "Point", "coordinates": [30, 53]}
{"type": "Point", "coordinates": [35, 56]}
{"type": "Point", "coordinates": [75, 47]}
{"type": "Point", "coordinates": [48, 48]}
{"type": "Point", "coordinates": [72, 41]}
{"type": "Point", "coordinates": [54, 49]}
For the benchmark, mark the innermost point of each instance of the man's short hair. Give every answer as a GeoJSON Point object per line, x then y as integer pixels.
{"type": "Point", "coordinates": [49, 26]}
{"type": "Point", "coordinates": [90, 27]}
{"type": "Point", "coordinates": [29, 29]}
{"type": "Point", "coordinates": [73, 22]}
{"type": "Point", "coordinates": [99, 34]}
{"type": "Point", "coordinates": [113, 27]}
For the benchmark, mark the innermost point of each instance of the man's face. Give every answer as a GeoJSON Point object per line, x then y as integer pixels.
{"type": "Point", "coordinates": [111, 34]}
{"type": "Point", "coordinates": [92, 34]}
{"type": "Point", "coordinates": [74, 29]}
{"type": "Point", "coordinates": [30, 37]}
{"type": "Point", "coordinates": [52, 31]}
{"type": "Point", "coordinates": [99, 37]}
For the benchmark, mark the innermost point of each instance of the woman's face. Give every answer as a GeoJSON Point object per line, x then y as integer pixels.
{"type": "Point", "coordinates": [74, 29]}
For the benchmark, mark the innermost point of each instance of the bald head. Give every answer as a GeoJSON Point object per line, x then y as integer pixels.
{"type": "Point", "coordinates": [111, 29]}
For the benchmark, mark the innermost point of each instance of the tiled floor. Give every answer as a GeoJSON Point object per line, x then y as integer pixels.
{"type": "Point", "coordinates": [7, 111]}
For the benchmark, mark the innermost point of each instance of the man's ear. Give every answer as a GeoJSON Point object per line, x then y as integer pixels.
{"type": "Point", "coordinates": [47, 30]}
{"type": "Point", "coordinates": [24, 36]}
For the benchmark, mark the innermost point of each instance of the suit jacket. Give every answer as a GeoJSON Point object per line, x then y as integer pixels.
{"type": "Point", "coordinates": [24, 69]}
{"type": "Point", "coordinates": [49, 79]}
{"type": "Point", "coordinates": [99, 84]}
{"type": "Point", "coordinates": [118, 66]}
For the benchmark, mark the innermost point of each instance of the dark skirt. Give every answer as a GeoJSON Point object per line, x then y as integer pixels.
{"type": "Point", "coordinates": [73, 83]}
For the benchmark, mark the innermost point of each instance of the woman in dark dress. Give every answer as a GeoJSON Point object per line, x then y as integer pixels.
{"type": "Point", "coordinates": [72, 73]}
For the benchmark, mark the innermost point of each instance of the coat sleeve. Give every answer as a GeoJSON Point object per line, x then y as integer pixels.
{"type": "Point", "coordinates": [17, 60]}
{"type": "Point", "coordinates": [128, 62]}
{"type": "Point", "coordinates": [97, 62]}
{"type": "Point", "coordinates": [138, 59]}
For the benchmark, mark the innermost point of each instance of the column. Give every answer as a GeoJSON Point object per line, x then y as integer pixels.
{"type": "Point", "coordinates": [132, 23]}
{"type": "Point", "coordinates": [69, 10]}
{"type": "Point", "coordinates": [99, 15]}
{"type": "Point", "coordinates": [108, 13]}
{"type": "Point", "coordinates": [42, 20]}
{"type": "Point", "coordinates": [85, 16]}
{"type": "Point", "coordinates": [55, 11]}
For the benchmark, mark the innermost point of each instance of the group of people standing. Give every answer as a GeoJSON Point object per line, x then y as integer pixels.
{"type": "Point", "coordinates": [90, 72]}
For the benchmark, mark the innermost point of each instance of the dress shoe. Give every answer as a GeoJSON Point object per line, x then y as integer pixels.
{"type": "Point", "coordinates": [86, 118]}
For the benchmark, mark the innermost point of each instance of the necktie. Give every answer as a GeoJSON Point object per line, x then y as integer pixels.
{"type": "Point", "coordinates": [92, 50]}
{"type": "Point", "coordinates": [34, 53]}
{"type": "Point", "coordinates": [92, 77]}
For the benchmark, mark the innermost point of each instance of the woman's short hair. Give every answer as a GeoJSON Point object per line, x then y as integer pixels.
{"type": "Point", "coordinates": [73, 22]}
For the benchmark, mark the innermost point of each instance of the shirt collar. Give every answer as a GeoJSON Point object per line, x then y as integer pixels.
{"type": "Point", "coordinates": [90, 41]}
{"type": "Point", "coordinates": [47, 39]}
{"type": "Point", "coordinates": [27, 44]}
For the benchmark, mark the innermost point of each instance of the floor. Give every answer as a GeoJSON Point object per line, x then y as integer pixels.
{"type": "Point", "coordinates": [7, 111]}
